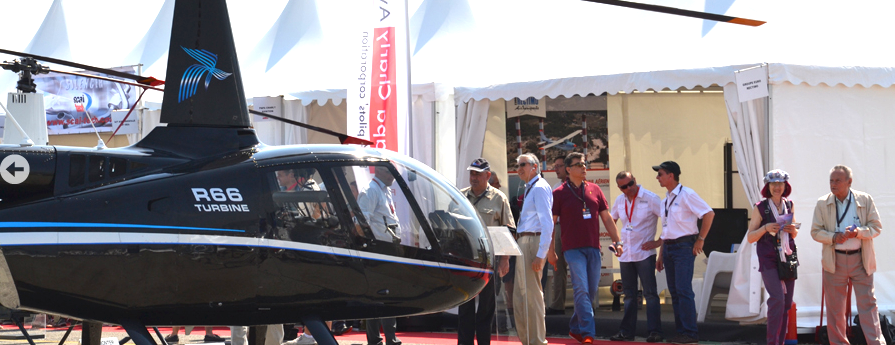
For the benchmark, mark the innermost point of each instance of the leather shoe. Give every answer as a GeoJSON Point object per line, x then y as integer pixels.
{"type": "Point", "coordinates": [588, 340]}
{"type": "Point", "coordinates": [213, 338]}
{"type": "Point", "coordinates": [577, 337]}
{"type": "Point", "coordinates": [654, 338]}
{"type": "Point", "coordinates": [620, 337]}
{"type": "Point", "coordinates": [683, 339]}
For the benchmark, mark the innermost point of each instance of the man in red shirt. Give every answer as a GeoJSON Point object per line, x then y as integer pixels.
{"type": "Point", "coordinates": [578, 203]}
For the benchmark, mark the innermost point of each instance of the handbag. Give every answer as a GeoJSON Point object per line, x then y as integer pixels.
{"type": "Point", "coordinates": [787, 269]}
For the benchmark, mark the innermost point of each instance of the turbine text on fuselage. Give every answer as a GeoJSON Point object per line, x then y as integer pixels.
{"type": "Point", "coordinates": [227, 200]}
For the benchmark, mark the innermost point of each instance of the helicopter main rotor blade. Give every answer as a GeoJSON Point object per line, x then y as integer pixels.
{"type": "Point", "coordinates": [681, 12]}
{"type": "Point", "coordinates": [343, 138]}
{"type": "Point", "coordinates": [140, 79]}
{"type": "Point", "coordinates": [107, 79]}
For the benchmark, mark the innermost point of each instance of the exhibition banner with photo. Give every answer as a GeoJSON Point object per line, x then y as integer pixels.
{"type": "Point", "coordinates": [68, 99]}
{"type": "Point", "coordinates": [379, 89]}
{"type": "Point", "coordinates": [563, 128]}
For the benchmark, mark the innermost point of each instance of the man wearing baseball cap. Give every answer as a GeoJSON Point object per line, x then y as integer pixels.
{"type": "Point", "coordinates": [494, 208]}
{"type": "Point", "coordinates": [682, 242]}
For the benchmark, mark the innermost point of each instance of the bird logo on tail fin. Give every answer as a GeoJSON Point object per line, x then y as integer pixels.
{"type": "Point", "coordinates": [190, 80]}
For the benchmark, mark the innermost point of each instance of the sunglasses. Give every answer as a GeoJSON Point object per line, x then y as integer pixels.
{"type": "Point", "coordinates": [626, 185]}
{"type": "Point", "coordinates": [521, 165]}
{"type": "Point", "coordinates": [579, 164]}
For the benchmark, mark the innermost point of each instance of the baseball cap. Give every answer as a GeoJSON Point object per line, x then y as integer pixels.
{"type": "Point", "coordinates": [480, 164]}
{"type": "Point", "coordinates": [669, 166]}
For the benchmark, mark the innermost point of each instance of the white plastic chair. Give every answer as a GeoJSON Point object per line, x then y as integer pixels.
{"type": "Point", "coordinates": [718, 274]}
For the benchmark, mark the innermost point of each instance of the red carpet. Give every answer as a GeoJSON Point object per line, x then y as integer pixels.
{"type": "Point", "coordinates": [451, 339]}
{"type": "Point", "coordinates": [356, 337]}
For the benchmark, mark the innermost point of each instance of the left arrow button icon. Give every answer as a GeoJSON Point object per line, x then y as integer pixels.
{"type": "Point", "coordinates": [14, 169]}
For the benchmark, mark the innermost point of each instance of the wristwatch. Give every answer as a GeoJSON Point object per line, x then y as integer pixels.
{"type": "Point", "coordinates": [619, 244]}
{"type": "Point", "coordinates": [701, 238]}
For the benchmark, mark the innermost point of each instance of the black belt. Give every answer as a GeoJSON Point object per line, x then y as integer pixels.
{"type": "Point", "coordinates": [848, 252]}
{"type": "Point", "coordinates": [529, 233]}
{"type": "Point", "coordinates": [682, 239]}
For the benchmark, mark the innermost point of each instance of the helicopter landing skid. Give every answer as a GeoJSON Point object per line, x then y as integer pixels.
{"type": "Point", "coordinates": [316, 326]}
{"type": "Point", "coordinates": [136, 330]}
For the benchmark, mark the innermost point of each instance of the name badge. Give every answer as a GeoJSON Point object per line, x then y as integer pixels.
{"type": "Point", "coordinates": [586, 213]}
{"type": "Point", "coordinates": [664, 222]}
{"type": "Point", "coordinates": [629, 227]}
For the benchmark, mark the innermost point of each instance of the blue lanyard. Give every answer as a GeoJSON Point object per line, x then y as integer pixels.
{"type": "Point", "coordinates": [840, 219]}
{"type": "Point", "coordinates": [672, 200]}
{"type": "Point", "coordinates": [529, 188]}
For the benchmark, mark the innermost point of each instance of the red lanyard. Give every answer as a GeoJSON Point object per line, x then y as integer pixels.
{"type": "Point", "coordinates": [630, 213]}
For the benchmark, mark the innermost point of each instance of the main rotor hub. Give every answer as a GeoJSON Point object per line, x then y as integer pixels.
{"type": "Point", "coordinates": [26, 67]}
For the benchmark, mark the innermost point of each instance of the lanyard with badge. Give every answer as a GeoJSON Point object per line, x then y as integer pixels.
{"type": "Point", "coordinates": [529, 188]}
{"type": "Point", "coordinates": [838, 218]}
{"type": "Point", "coordinates": [585, 212]}
{"type": "Point", "coordinates": [630, 214]}
{"type": "Point", "coordinates": [667, 205]}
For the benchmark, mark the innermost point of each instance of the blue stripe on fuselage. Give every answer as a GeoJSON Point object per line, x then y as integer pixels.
{"type": "Point", "coordinates": [104, 225]}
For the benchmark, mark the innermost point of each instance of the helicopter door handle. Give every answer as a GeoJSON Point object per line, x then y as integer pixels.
{"type": "Point", "coordinates": [383, 292]}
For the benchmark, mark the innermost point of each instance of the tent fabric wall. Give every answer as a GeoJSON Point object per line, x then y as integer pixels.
{"type": "Point", "coordinates": [746, 301]}
{"type": "Point", "coordinates": [496, 141]}
{"type": "Point", "coordinates": [472, 118]}
{"type": "Point", "coordinates": [273, 132]}
{"type": "Point", "coordinates": [688, 128]}
{"type": "Point", "coordinates": [814, 128]}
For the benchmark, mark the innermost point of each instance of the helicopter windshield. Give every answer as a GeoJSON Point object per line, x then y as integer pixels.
{"type": "Point", "coordinates": [456, 225]}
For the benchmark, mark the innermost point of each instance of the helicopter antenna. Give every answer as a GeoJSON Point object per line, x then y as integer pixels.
{"type": "Point", "coordinates": [26, 141]}
{"type": "Point", "coordinates": [99, 143]}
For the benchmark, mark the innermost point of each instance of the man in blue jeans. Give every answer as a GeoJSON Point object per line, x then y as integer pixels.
{"type": "Point", "coordinates": [682, 242]}
{"type": "Point", "coordinates": [639, 210]}
{"type": "Point", "coordinates": [579, 204]}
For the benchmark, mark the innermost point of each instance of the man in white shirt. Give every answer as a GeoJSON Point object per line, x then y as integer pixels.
{"type": "Point", "coordinates": [535, 231]}
{"type": "Point", "coordinates": [378, 206]}
{"type": "Point", "coordinates": [639, 210]}
{"type": "Point", "coordinates": [681, 243]}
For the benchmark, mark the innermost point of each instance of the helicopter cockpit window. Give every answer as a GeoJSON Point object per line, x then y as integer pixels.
{"type": "Point", "coordinates": [379, 206]}
{"type": "Point", "coordinates": [304, 211]}
{"type": "Point", "coordinates": [77, 166]}
{"type": "Point", "coordinates": [96, 168]}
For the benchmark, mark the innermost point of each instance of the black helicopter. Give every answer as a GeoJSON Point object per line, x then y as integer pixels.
{"type": "Point", "coordinates": [200, 223]}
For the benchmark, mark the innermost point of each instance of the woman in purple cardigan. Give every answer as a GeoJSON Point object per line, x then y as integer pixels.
{"type": "Point", "coordinates": [765, 228]}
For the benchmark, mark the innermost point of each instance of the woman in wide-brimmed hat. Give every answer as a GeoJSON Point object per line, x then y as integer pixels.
{"type": "Point", "coordinates": [774, 241]}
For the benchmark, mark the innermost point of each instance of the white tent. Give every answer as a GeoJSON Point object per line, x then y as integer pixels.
{"type": "Point", "coordinates": [815, 118]}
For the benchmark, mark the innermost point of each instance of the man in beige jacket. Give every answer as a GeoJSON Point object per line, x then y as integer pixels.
{"type": "Point", "coordinates": [846, 221]}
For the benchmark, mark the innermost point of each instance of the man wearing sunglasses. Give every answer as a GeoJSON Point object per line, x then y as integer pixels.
{"type": "Point", "coordinates": [682, 241]}
{"type": "Point", "coordinates": [639, 209]}
{"type": "Point", "coordinates": [580, 204]}
{"type": "Point", "coordinates": [535, 231]}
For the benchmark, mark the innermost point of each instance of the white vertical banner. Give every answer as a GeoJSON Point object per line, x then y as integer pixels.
{"type": "Point", "coordinates": [379, 91]}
